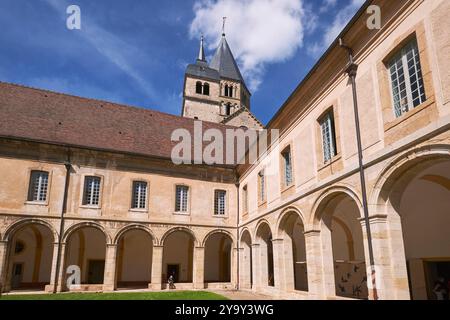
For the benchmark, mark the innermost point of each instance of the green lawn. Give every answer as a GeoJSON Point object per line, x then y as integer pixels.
{"type": "Point", "coordinates": [175, 295]}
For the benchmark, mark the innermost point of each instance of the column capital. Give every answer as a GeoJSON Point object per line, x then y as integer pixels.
{"type": "Point", "coordinates": [374, 218]}
{"type": "Point", "coordinates": [311, 233]}
{"type": "Point", "coordinates": [277, 240]}
{"type": "Point", "coordinates": [111, 245]}
{"type": "Point", "coordinates": [255, 245]}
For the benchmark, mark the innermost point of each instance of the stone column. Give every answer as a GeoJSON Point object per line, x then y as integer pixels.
{"type": "Point", "coordinates": [279, 264]}
{"type": "Point", "coordinates": [244, 268]}
{"type": "Point", "coordinates": [256, 266]}
{"type": "Point", "coordinates": [3, 265]}
{"type": "Point", "coordinates": [233, 266]}
{"type": "Point", "coordinates": [391, 276]}
{"type": "Point", "coordinates": [109, 280]}
{"type": "Point", "coordinates": [319, 286]}
{"type": "Point", "coordinates": [157, 268]}
{"type": "Point", "coordinates": [49, 287]}
{"type": "Point", "coordinates": [199, 268]}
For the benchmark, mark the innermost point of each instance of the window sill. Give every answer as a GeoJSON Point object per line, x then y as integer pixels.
{"type": "Point", "coordinates": [138, 210]}
{"type": "Point", "coordinates": [90, 207]}
{"type": "Point", "coordinates": [335, 159]}
{"type": "Point", "coordinates": [404, 117]}
{"type": "Point", "coordinates": [177, 213]}
{"type": "Point", "coordinates": [37, 203]}
{"type": "Point", "coordinates": [217, 216]}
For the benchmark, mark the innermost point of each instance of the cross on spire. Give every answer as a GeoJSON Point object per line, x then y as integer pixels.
{"type": "Point", "coordinates": [223, 26]}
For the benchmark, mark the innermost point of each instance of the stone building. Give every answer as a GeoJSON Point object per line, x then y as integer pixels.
{"type": "Point", "coordinates": [91, 184]}
{"type": "Point", "coordinates": [216, 91]}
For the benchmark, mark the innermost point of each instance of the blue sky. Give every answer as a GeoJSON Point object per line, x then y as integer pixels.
{"type": "Point", "coordinates": [135, 52]}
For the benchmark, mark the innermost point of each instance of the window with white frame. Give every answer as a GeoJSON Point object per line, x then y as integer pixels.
{"type": "Point", "coordinates": [328, 136]}
{"type": "Point", "coordinates": [181, 199]}
{"type": "Point", "coordinates": [245, 199]}
{"type": "Point", "coordinates": [139, 195]}
{"type": "Point", "coordinates": [406, 79]}
{"type": "Point", "coordinates": [262, 186]}
{"type": "Point", "coordinates": [219, 202]}
{"type": "Point", "coordinates": [287, 166]}
{"type": "Point", "coordinates": [38, 186]}
{"type": "Point", "coordinates": [91, 195]}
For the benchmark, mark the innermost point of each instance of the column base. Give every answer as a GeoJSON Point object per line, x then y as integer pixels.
{"type": "Point", "coordinates": [155, 286]}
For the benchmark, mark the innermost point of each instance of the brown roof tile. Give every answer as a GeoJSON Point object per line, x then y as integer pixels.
{"type": "Point", "coordinates": [45, 116]}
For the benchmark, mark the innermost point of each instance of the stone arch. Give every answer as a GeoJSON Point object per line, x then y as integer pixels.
{"type": "Point", "coordinates": [29, 254]}
{"type": "Point", "coordinates": [14, 227]}
{"type": "Point", "coordinates": [87, 224]}
{"type": "Point", "coordinates": [258, 226]}
{"type": "Point", "coordinates": [175, 229]}
{"type": "Point", "coordinates": [418, 158]}
{"type": "Point", "coordinates": [265, 254]}
{"type": "Point", "coordinates": [285, 212]}
{"type": "Point", "coordinates": [337, 213]}
{"type": "Point", "coordinates": [135, 245]}
{"type": "Point", "coordinates": [292, 250]}
{"type": "Point", "coordinates": [131, 227]}
{"type": "Point", "coordinates": [229, 234]}
{"type": "Point", "coordinates": [411, 197]}
{"type": "Point", "coordinates": [218, 248]}
{"type": "Point", "coordinates": [328, 195]}
{"type": "Point", "coordinates": [245, 230]}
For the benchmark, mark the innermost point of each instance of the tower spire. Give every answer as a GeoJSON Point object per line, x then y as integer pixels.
{"type": "Point", "coordinates": [201, 53]}
{"type": "Point", "coordinates": [223, 26]}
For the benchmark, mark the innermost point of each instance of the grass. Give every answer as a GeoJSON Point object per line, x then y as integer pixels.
{"type": "Point", "coordinates": [176, 295]}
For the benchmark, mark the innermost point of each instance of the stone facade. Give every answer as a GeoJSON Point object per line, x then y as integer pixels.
{"type": "Point", "coordinates": [299, 233]}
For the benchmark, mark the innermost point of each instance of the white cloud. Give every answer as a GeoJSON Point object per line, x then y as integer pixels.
{"type": "Point", "coordinates": [258, 31]}
{"type": "Point", "coordinates": [331, 31]}
{"type": "Point", "coordinates": [327, 5]}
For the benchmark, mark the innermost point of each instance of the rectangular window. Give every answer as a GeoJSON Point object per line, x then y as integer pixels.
{"type": "Point", "coordinates": [244, 199]}
{"type": "Point", "coordinates": [287, 163]}
{"type": "Point", "coordinates": [91, 191]}
{"type": "Point", "coordinates": [262, 186]}
{"type": "Point", "coordinates": [328, 137]}
{"type": "Point", "coordinates": [181, 199]}
{"type": "Point", "coordinates": [38, 186]}
{"type": "Point", "coordinates": [406, 79]}
{"type": "Point", "coordinates": [139, 195]}
{"type": "Point", "coordinates": [219, 202]}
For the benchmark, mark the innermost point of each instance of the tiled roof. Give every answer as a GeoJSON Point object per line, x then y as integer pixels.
{"type": "Point", "coordinates": [45, 116]}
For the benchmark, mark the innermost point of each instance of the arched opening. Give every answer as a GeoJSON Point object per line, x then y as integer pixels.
{"type": "Point", "coordinates": [134, 259]}
{"type": "Point", "coordinates": [226, 90]}
{"type": "Point", "coordinates": [86, 248]}
{"type": "Point", "coordinates": [417, 196]}
{"type": "Point", "coordinates": [198, 87]}
{"type": "Point", "coordinates": [342, 232]}
{"type": "Point", "coordinates": [30, 258]}
{"type": "Point", "coordinates": [294, 252]}
{"type": "Point", "coordinates": [228, 109]}
{"type": "Point", "coordinates": [218, 258]}
{"type": "Point", "coordinates": [206, 89]}
{"type": "Point", "coordinates": [246, 273]}
{"type": "Point", "coordinates": [264, 239]}
{"type": "Point", "coordinates": [178, 254]}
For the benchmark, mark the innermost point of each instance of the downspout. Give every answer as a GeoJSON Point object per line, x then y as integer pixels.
{"type": "Point", "coordinates": [68, 166]}
{"type": "Point", "coordinates": [237, 241]}
{"type": "Point", "coordinates": [351, 71]}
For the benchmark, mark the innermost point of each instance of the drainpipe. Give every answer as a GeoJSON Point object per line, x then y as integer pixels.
{"type": "Point", "coordinates": [351, 71]}
{"type": "Point", "coordinates": [237, 240]}
{"type": "Point", "coordinates": [61, 225]}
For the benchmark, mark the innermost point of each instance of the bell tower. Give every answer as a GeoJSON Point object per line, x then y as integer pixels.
{"type": "Point", "coordinates": [216, 91]}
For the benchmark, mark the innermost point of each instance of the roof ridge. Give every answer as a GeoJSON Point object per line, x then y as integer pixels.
{"type": "Point", "coordinates": [115, 104]}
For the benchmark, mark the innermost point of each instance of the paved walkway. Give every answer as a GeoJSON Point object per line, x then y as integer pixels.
{"type": "Point", "coordinates": [242, 295]}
